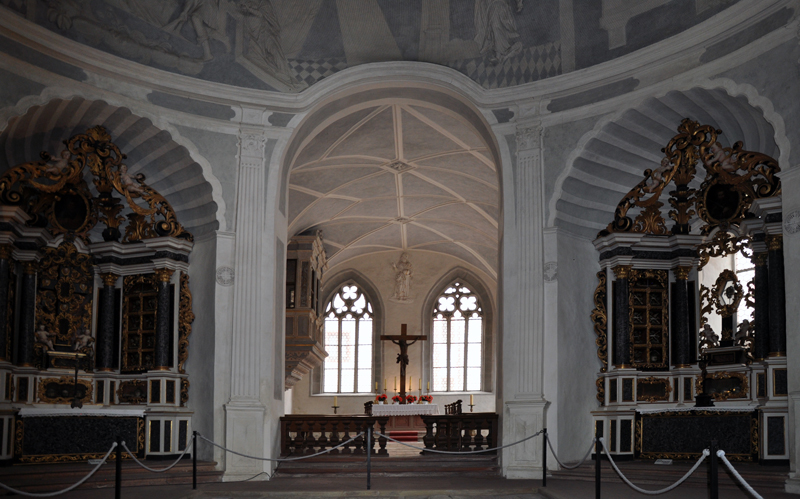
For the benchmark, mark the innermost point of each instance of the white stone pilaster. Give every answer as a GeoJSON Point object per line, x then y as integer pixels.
{"type": "Point", "coordinates": [244, 425]}
{"type": "Point", "coordinates": [790, 179]}
{"type": "Point", "coordinates": [523, 390]}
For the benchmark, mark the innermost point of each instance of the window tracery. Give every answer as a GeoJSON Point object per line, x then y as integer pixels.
{"type": "Point", "coordinates": [457, 340]}
{"type": "Point", "coordinates": [348, 342]}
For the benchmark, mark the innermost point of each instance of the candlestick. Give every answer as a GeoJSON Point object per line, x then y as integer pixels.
{"type": "Point", "coordinates": [384, 385]}
{"type": "Point", "coordinates": [429, 386]}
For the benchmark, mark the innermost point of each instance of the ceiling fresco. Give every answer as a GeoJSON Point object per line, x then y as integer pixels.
{"type": "Point", "coordinates": [288, 45]}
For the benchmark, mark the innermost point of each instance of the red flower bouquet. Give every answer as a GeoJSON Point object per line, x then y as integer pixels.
{"type": "Point", "coordinates": [410, 399]}
{"type": "Point", "coordinates": [397, 399]}
{"type": "Point", "coordinates": [427, 398]}
{"type": "Point", "coordinates": [381, 397]}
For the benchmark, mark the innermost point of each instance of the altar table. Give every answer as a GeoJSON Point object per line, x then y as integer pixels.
{"type": "Point", "coordinates": [405, 409]}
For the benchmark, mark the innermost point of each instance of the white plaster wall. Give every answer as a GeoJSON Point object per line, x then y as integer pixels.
{"type": "Point", "coordinates": [201, 342]}
{"type": "Point", "coordinates": [578, 363]}
{"type": "Point", "coordinates": [428, 268]}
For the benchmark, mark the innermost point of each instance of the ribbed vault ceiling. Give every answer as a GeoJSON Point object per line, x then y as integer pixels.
{"type": "Point", "coordinates": [614, 160]}
{"type": "Point", "coordinates": [398, 176]}
{"type": "Point", "coordinates": [167, 165]}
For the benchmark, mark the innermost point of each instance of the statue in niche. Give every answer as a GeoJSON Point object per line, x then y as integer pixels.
{"type": "Point", "coordinates": [129, 182]}
{"type": "Point", "coordinates": [82, 339]}
{"type": "Point", "coordinates": [496, 30]}
{"type": "Point", "coordinates": [402, 279]}
{"type": "Point", "coordinates": [708, 338]}
{"type": "Point", "coordinates": [43, 337]}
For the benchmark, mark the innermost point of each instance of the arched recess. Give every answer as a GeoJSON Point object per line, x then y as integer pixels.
{"type": "Point", "coordinates": [387, 168]}
{"type": "Point", "coordinates": [477, 286]}
{"type": "Point", "coordinates": [613, 157]}
{"type": "Point", "coordinates": [329, 289]}
{"type": "Point", "coordinates": [168, 166]}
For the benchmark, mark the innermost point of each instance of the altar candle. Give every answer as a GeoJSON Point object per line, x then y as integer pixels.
{"type": "Point", "coordinates": [429, 386]}
{"type": "Point", "coordinates": [471, 401]}
{"type": "Point", "coordinates": [334, 400]}
{"type": "Point", "coordinates": [395, 383]}
{"type": "Point", "coordinates": [410, 383]}
{"type": "Point", "coordinates": [376, 386]}
{"type": "Point", "coordinates": [384, 384]}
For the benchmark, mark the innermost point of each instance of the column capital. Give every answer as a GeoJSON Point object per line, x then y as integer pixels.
{"type": "Point", "coordinates": [760, 259]}
{"type": "Point", "coordinates": [775, 242]}
{"type": "Point", "coordinates": [5, 251]}
{"type": "Point", "coordinates": [622, 271]}
{"type": "Point", "coordinates": [164, 275]}
{"type": "Point", "coordinates": [109, 279]}
{"type": "Point", "coordinates": [682, 273]}
{"type": "Point", "coordinates": [529, 136]}
{"type": "Point", "coordinates": [29, 267]}
{"type": "Point", "coordinates": [252, 143]}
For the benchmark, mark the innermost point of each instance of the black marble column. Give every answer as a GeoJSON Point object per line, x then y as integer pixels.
{"type": "Point", "coordinates": [163, 325]}
{"type": "Point", "coordinates": [5, 265]}
{"type": "Point", "coordinates": [622, 321]}
{"type": "Point", "coordinates": [680, 322]}
{"type": "Point", "coordinates": [106, 329]}
{"type": "Point", "coordinates": [27, 314]}
{"type": "Point", "coordinates": [761, 312]}
{"type": "Point", "coordinates": [777, 298]}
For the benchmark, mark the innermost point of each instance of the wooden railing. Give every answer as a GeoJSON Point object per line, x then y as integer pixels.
{"type": "Point", "coordinates": [461, 432]}
{"type": "Point", "coordinates": [303, 434]}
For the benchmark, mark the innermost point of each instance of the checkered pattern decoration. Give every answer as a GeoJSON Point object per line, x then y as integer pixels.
{"type": "Point", "coordinates": [533, 63]}
{"type": "Point", "coordinates": [311, 72]}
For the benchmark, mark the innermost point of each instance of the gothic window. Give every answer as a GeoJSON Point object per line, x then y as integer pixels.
{"type": "Point", "coordinates": [348, 341]}
{"type": "Point", "coordinates": [457, 340]}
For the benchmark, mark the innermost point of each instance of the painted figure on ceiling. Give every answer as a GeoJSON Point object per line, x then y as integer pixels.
{"type": "Point", "coordinates": [496, 29]}
{"type": "Point", "coordinates": [263, 31]}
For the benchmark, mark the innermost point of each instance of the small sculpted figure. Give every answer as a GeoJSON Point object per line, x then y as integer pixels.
{"type": "Point", "coordinates": [708, 338]}
{"type": "Point", "coordinates": [43, 338]}
{"type": "Point", "coordinates": [82, 339]}
{"type": "Point", "coordinates": [719, 155]}
{"type": "Point", "coordinates": [128, 181]}
{"type": "Point", "coordinates": [743, 333]}
{"type": "Point", "coordinates": [657, 176]}
{"type": "Point", "coordinates": [58, 165]}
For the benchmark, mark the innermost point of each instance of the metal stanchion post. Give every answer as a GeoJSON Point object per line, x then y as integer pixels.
{"type": "Point", "coordinates": [597, 448]}
{"type": "Point", "coordinates": [118, 477]}
{"type": "Point", "coordinates": [369, 456]}
{"type": "Point", "coordinates": [713, 477]}
{"type": "Point", "coordinates": [194, 460]}
{"type": "Point", "coordinates": [544, 457]}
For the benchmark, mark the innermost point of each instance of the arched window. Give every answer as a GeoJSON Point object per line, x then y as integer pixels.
{"type": "Point", "coordinates": [457, 340]}
{"type": "Point", "coordinates": [348, 341]}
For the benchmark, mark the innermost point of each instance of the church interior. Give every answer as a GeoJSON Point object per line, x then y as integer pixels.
{"type": "Point", "coordinates": [455, 223]}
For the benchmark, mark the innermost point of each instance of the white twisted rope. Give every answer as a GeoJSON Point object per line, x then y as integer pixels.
{"type": "Point", "coordinates": [457, 452]}
{"type": "Point", "coordinates": [570, 467]}
{"type": "Point", "coordinates": [152, 469]}
{"type": "Point", "coordinates": [706, 453]}
{"type": "Point", "coordinates": [721, 455]}
{"type": "Point", "coordinates": [62, 491]}
{"type": "Point", "coordinates": [279, 460]}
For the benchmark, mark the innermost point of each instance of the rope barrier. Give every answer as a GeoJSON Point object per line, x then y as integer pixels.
{"type": "Point", "coordinates": [279, 460]}
{"type": "Point", "coordinates": [570, 467]}
{"type": "Point", "coordinates": [721, 455]}
{"type": "Point", "coordinates": [62, 491]}
{"type": "Point", "coordinates": [706, 453]}
{"type": "Point", "coordinates": [154, 470]}
{"type": "Point", "coordinates": [458, 452]}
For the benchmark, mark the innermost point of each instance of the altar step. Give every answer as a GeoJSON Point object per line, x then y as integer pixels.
{"type": "Point", "coordinates": [57, 476]}
{"type": "Point", "coordinates": [405, 436]}
{"type": "Point", "coordinates": [651, 476]}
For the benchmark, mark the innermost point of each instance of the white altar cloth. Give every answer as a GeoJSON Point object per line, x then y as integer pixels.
{"type": "Point", "coordinates": [45, 412]}
{"type": "Point", "coordinates": [405, 409]}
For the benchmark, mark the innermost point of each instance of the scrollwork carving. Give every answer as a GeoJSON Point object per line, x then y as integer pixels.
{"type": "Point", "coordinates": [185, 319]}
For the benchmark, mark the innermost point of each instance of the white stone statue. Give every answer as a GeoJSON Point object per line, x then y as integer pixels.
{"type": "Point", "coordinates": [742, 336]}
{"type": "Point", "coordinates": [708, 338]}
{"type": "Point", "coordinates": [81, 339]}
{"type": "Point", "coordinates": [725, 159]}
{"type": "Point", "coordinates": [128, 181]}
{"type": "Point", "coordinates": [402, 280]}
{"type": "Point", "coordinates": [43, 338]}
{"type": "Point", "coordinates": [657, 176]}
{"type": "Point", "coordinates": [56, 166]}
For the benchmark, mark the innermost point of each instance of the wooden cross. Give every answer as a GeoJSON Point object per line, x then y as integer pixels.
{"type": "Point", "coordinates": [404, 341]}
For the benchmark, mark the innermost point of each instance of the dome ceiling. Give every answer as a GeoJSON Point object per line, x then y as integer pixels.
{"type": "Point", "coordinates": [398, 177]}
{"type": "Point", "coordinates": [613, 161]}
{"type": "Point", "coordinates": [287, 45]}
{"type": "Point", "coordinates": [167, 166]}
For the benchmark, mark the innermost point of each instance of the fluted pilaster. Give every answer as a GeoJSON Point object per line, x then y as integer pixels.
{"type": "Point", "coordinates": [247, 323]}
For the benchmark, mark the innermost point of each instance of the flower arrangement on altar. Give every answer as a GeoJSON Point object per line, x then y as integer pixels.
{"type": "Point", "coordinates": [396, 399]}
{"type": "Point", "coordinates": [410, 399]}
{"type": "Point", "coordinates": [381, 398]}
{"type": "Point", "coordinates": [426, 398]}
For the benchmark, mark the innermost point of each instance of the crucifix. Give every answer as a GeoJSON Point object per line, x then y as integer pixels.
{"type": "Point", "coordinates": [403, 340]}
